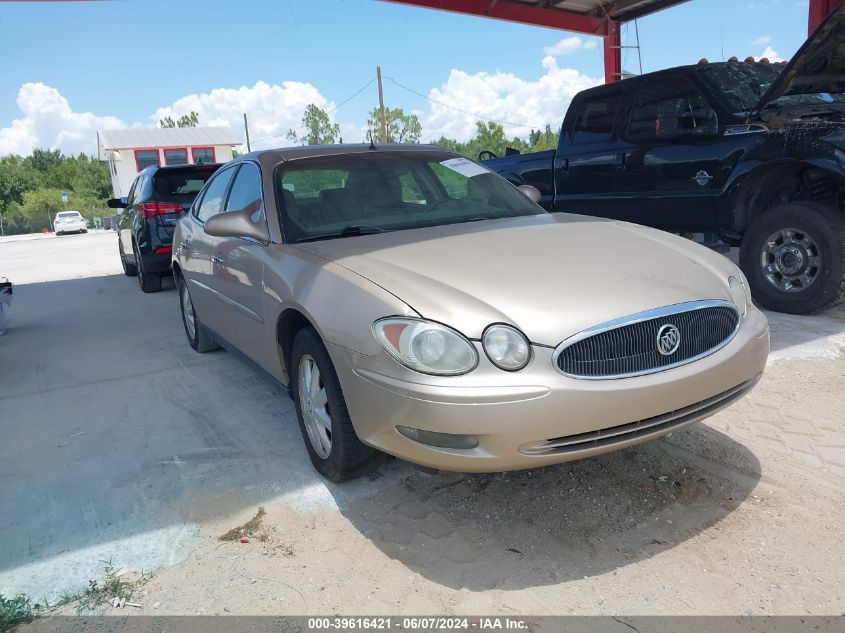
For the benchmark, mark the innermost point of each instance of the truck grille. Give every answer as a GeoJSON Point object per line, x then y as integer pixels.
{"type": "Point", "coordinates": [629, 346]}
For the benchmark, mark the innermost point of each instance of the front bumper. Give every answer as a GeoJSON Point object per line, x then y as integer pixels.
{"type": "Point", "coordinates": [537, 416]}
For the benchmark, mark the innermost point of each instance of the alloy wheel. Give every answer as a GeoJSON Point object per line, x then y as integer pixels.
{"type": "Point", "coordinates": [188, 311]}
{"type": "Point", "coordinates": [314, 405]}
{"type": "Point", "coordinates": [790, 260]}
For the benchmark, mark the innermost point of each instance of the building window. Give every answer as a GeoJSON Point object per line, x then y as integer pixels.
{"type": "Point", "coordinates": [203, 155]}
{"type": "Point", "coordinates": [145, 158]}
{"type": "Point", "coordinates": [178, 156]}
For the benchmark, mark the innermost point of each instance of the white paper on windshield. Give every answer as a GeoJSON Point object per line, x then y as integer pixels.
{"type": "Point", "coordinates": [465, 167]}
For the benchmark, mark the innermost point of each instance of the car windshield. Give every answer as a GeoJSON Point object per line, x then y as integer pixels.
{"type": "Point", "coordinates": [740, 85]}
{"type": "Point", "coordinates": [352, 194]}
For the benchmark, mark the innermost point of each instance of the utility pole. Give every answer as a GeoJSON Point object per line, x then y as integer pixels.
{"type": "Point", "coordinates": [246, 127]}
{"type": "Point", "coordinates": [381, 106]}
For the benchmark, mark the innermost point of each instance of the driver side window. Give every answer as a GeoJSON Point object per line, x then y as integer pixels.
{"type": "Point", "coordinates": [212, 200]}
{"type": "Point", "coordinates": [671, 107]}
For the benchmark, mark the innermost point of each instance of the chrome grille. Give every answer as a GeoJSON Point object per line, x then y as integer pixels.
{"type": "Point", "coordinates": [628, 346]}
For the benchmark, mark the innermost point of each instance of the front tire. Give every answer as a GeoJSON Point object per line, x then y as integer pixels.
{"type": "Point", "coordinates": [199, 339]}
{"type": "Point", "coordinates": [130, 270]}
{"type": "Point", "coordinates": [794, 257]}
{"type": "Point", "coordinates": [150, 282]}
{"type": "Point", "coordinates": [332, 444]}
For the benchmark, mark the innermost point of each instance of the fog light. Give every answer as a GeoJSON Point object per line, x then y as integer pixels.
{"type": "Point", "coordinates": [441, 440]}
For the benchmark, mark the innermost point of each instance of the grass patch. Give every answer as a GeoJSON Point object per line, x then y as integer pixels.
{"type": "Point", "coordinates": [13, 611]}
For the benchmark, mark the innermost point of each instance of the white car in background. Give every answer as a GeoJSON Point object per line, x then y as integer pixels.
{"type": "Point", "coordinates": [70, 222]}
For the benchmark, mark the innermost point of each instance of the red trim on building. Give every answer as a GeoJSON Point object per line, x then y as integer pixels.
{"type": "Point", "coordinates": [213, 153]}
{"type": "Point", "coordinates": [613, 52]}
{"type": "Point", "coordinates": [146, 149]}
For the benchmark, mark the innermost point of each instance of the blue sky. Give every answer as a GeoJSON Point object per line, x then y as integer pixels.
{"type": "Point", "coordinates": [94, 64]}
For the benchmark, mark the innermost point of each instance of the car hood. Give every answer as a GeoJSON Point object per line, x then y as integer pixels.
{"type": "Point", "coordinates": [817, 67]}
{"type": "Point", "coordinates": [549, 275]}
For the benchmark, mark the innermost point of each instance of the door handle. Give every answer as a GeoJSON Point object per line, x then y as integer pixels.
{"type": "Point", "coordinates": [562, 165]}
{"type": "Point", "coordinates": [217, 260]}
{"type": "Point", "coordinates": [619, 160]}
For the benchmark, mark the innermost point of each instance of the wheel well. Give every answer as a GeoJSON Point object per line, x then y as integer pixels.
{"type": "Point", "coordinates": [177, 270]}
{"type": "Point", "coordinates": [786, 183]}
{"type": "Point", "coordinates": [290, 322]}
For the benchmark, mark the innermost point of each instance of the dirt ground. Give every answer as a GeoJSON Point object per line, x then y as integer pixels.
{"type": "Point", "coordinates": [742, 514]}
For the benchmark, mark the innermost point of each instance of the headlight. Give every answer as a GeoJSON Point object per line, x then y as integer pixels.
{"type": "Point", "coordinates": [425, 346]}
{"type": "Point", "coordinates": [740, 294]}
{"type": "Point", "coordinates": [506, 347]}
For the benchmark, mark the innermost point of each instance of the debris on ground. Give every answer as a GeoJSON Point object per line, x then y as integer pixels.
{"type": "Point", "coordinates": [253, 528]}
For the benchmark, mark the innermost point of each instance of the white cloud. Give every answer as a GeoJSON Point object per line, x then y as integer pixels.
{"type": "Point", "coordinates": [762, 40]}
{"type": "Point", "coordinates": [771, 54]}
{"type": "Point", "coordinates": [272, 109]}
{"type": "Point", "coordinates": [49, 122]}
{"type": "Point", "coordinates": [503, 97]}
{"type": "Point", "coordinates": [569, 45]}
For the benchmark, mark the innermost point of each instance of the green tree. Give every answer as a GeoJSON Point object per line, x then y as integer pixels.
{"type": "Point", "coordinates": [540, 140]}
{"type": "Point", "coordinates": [39, 207]}
{"type": "Point", "coordinates": [192, 119]}
{"type": "Point", "coordinates": [319, 129]}
{"type": "Point", "coordinates": [401, 127]}
{"type": "Point", "coordinates": [14, 182]}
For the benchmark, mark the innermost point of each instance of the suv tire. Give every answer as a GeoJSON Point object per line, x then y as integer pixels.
{"type": "Point", "coordinates": [345, 457]}
{"type": "Point", "coordinates": [150, 282]}
{"type": "Point", "coordinates": [794, 257]}
{"type": "Point", "coordinates": [130, 270]}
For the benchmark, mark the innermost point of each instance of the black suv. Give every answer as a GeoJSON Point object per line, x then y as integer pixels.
{"type": "Point", "coordinates": [150, 212]}
{"type": "Point", "coordinates": [753, 153]}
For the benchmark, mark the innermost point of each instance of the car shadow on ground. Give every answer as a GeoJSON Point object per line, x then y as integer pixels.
{"type": "Point", "coordinates": [550, 525]}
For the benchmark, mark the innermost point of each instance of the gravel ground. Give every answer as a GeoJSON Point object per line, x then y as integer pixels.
{"type": "Point", "coordinates": [739, 515]}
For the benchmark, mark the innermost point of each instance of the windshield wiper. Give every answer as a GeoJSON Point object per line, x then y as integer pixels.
{"type": "Point", "coordinates": [352, 229]}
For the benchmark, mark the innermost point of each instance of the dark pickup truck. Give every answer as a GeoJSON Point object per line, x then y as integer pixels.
{"type": "Point", "coordinates": [753, 153]}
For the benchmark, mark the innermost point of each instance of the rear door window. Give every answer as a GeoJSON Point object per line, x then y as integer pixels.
{"type": "Point", "coordinates": [595, 119]}
{"type": "Point", "coordinates": [670, 107]}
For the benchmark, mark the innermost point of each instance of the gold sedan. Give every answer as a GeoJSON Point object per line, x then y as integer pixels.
{"type": "Point", "coordinates": [416, 304]}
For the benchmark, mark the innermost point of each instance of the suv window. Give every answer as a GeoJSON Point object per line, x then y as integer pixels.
{"type": "Point", "coordinates": [594, 123]}
{"type": "Point", "coordinates": [670, 107]}
{"type": "Point", "coordinates": [212, 200]}
{"type": "Point", "coordinates": [181, 182]}
{"type": "Point", "coordinates": [246, 191]}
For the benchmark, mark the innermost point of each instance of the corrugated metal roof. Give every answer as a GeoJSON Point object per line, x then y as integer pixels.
{"type": "Point", "coordinates": [164, 137]}
{"type": "Point", "coordinates": [622, 10]}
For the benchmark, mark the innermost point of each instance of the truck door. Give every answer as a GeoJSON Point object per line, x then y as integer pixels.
{"type": "Point", "coordinates": [676, 162]}
{"type": "Point", "coordinates": [588, 156]}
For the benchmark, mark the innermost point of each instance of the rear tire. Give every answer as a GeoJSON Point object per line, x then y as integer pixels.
{"type": "Point", "coordinates": [346, 457]}
{"type": "Point", "coordinates": [794, 257]}
{"type": "Point", "coordinates": [150, 282]}
{"type": "Point", "coordinates": [199, 339]}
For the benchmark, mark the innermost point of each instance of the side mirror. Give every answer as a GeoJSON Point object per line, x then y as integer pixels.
{"type": "Point", "coordinates": [531, 192]}
{"type": "Point", "coordinates": [237, 224]}
{"type": "Point", "coordinates": [117, 203]}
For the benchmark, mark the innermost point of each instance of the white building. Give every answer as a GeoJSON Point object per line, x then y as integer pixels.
{"type": "Point", "coordinates": [131, 150]}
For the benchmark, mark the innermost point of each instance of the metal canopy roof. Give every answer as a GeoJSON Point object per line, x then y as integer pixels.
{"type": "Point", "coordinates": [621, 10]}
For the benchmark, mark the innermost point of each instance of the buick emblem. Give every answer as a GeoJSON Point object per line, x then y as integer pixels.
{"type": "Point", "coordinates": [668, 339]}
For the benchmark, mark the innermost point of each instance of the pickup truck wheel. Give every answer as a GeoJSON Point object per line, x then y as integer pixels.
{"type": "Point", "coordinates": [794, 257]}
{"type": "Point", "coordinates": [333, 446]}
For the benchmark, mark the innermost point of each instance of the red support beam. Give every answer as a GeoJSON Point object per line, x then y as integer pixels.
{"type": "Point", "coordinates": [819, 10]}
{"type": "Point", "coordinates": [613, 53]}
{"type": "Point", "coordinates": [518, 12]}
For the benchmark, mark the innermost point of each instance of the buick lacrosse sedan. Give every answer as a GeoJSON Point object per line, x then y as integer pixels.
{"type": "Point", "coordinates": [416, 304]}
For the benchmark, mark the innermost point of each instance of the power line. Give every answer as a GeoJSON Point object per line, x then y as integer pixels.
{"type": "Point", "coordinates": [339, 105]}
{"type": "Point", "coordinates": [472, 114]}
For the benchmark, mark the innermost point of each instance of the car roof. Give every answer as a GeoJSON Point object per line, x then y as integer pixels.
{"type": "Point", "coordinates": [272, 157]}
{"type": "Point", "coordinates": [160, 168]}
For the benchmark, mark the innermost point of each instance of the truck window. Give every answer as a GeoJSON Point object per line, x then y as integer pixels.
{"type": "Point", "coordinates": [594, 123]}
{"type": "Point", "coordinates": [670, 107]}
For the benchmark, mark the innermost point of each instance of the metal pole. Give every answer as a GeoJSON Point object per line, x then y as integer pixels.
{"type": "Point", "coordinates": [381, 107]}
{"type": "Point", "coordinates": [246, 127]}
